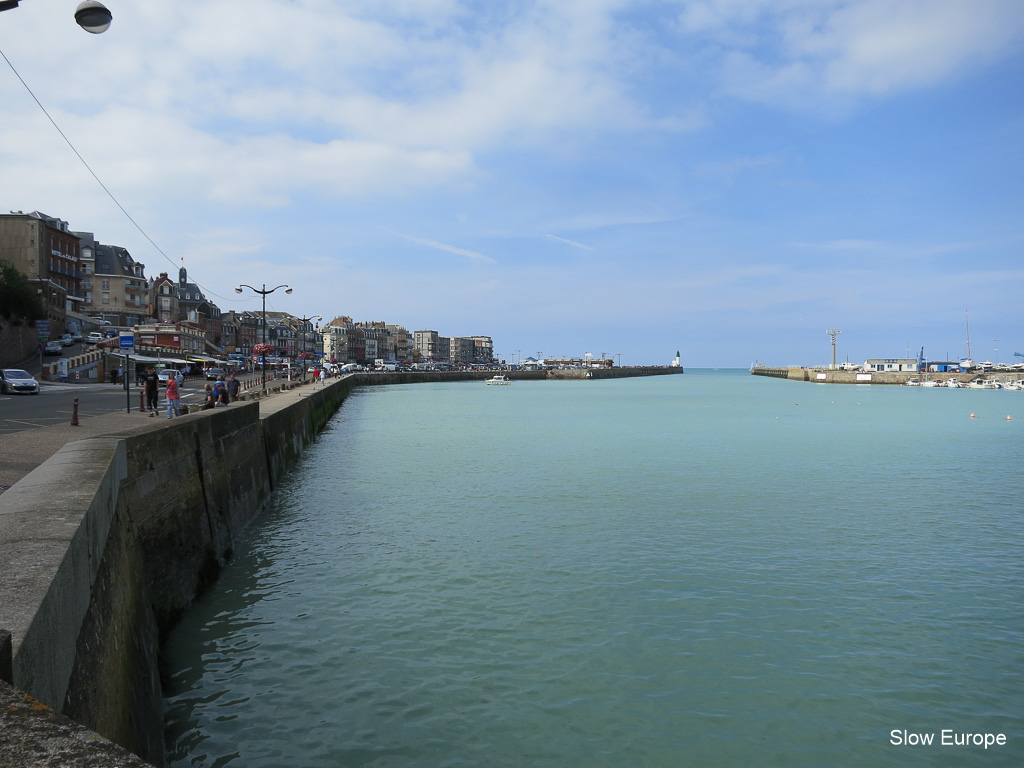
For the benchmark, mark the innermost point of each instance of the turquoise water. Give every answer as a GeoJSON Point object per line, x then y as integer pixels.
{"type": "Point", "coordinates": [712, 569]}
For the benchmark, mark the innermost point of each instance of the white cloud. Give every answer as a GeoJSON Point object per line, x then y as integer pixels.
{"type": "Point", "coordinates": [447, 248]}
{"type": "Point", "coordinates": [573, 243]}
{"type": "Point", "coordinates": [795, 52]}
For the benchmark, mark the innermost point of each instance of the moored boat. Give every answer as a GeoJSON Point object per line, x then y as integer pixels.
{"type": "Point", "coordinates": [498, 380]}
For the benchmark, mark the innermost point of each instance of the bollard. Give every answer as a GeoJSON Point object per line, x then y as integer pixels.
{"type": "Point", "coordinates": [74, 414]}
{"type": "Point", "coordinates": [142, 401]}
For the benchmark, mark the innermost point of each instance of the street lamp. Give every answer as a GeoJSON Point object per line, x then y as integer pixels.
{"type": "Point", "coordinates": [93, 17]}
{"type": "Point", "coordinates": [263, 293]}
{"type": "Point", "coordinates": [305, 320]}
{"type": "Point", "coordinates": [90, 15]}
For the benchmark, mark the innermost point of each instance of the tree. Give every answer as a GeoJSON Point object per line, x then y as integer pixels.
{"type": "Point", "coordinates": [18, 299]}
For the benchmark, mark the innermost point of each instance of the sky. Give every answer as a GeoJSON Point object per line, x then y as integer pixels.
{"type": "Point", "coordinates": [725, 178]}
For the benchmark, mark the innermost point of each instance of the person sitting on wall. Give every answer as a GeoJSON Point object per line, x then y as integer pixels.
{"type": "Point", "coordinates": [222, 393]}
{"type": "Point", "coordinates": [209, 402]}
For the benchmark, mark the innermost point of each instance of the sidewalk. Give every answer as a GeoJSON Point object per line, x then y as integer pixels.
{"type": "Point", "coordinates": [21, 452]}
{"type": "Point", "coordinates": [24, 451]}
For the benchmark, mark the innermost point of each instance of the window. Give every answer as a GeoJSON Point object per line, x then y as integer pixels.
{"type": "Point", "coordinates": [106, 286]}
{"type": "Point", "coordinates": [106, 297]}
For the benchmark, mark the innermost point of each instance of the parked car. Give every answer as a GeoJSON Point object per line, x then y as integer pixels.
{"type": "Point", "coordinates": [66, 340]}
{"type": "Point", "coordinates": [53, 348]}
{"type": "Point", "coordinates": [76, 336]}
{"type": "Point", "coordinates": [100, 321]}
{"type": "Point", "coordinates": [166, 373]}
{"type": "Point", "coordinates": [94, 338]}
{"type": "Point", "coordinates": [213, 373]}
{"type": "Point", "coordinates": [16, 380]}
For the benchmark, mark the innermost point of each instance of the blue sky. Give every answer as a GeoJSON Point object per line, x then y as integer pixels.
{"type": "Point", "coordinates": [726, 178]}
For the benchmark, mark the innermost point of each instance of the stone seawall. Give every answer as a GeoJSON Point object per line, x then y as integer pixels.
{"type": "Point", "coordinates": [826, 376]}
{"type": "Point", "coordinates": [108, 542]}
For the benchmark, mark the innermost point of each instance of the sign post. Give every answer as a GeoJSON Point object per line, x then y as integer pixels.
{"type": "Point", "coordinates": [127, 343]}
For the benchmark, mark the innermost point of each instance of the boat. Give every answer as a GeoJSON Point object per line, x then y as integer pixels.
{"type": "Point", "coordinates": [954, 384]}
{"type": "Point", "coordinates": [912, 383]}
{"type": "Point", "coordinates": [983, 384]}
{"type": "Point", "coordinates": [932, 383]}
{"type": "Point", "coordinates": [967, 364]}
{"type": "Point", "coordinates": [498, 380]}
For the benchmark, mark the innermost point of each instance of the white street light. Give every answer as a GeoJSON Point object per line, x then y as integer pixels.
{"type": "Point", "coordinates": [93, 17]}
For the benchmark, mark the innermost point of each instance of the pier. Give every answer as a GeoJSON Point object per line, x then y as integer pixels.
{"type": "Point", "coordinates": [834, 376]}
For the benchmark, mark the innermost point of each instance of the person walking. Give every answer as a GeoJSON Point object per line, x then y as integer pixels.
{"type": "Point", "coordinates": [234, 385]}
{"type": "Point", "coordinates": [323, 376]}
{"type": "Point", "coordinates": [316, 376]}
{"type": "Point", "coordinates": [172, 396]}
{"type": "Point", "coordinates": [151, 386]}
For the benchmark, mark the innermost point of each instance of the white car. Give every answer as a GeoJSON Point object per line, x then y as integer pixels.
{"type": "Point", "coordinates": [166, 373]}
{"type": "Point", "coordinates": [17, 380]}
{"type": "Point", "coordinates": [94, 338]}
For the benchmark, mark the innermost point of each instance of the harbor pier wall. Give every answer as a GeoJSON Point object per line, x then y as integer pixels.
{"type": "Point", "coordinates": [108, 542]}
{"type": "Point", "coordinates": [829, 376]}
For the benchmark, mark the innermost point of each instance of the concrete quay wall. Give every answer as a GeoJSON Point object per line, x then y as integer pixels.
{"type": "Point", "coordinates": [826, 376]}
{"type": "Point", "coordinates": [108, 542]}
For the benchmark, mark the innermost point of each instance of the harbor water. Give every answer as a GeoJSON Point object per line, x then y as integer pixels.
{"type": "Point", "coordinates": [711, 569]}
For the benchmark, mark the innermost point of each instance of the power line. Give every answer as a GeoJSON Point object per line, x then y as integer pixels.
{"type": "Point", "coordinates": [97, 178]}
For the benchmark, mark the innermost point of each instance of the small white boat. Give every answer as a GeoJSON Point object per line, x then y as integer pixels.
{"type": "Point", "coordinates": [912, 383]}
{"type": "Point", "coordinates": [954, 384]}
{"type": "Point", "coordinates": [498, 380]}
{"type": "Point", "coordinates": [932, 383]}
{"type": "Point", "coordinates": [983, 384]}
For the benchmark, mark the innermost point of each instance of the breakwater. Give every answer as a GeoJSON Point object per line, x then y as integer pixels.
{"type": "Point", "coordinates": [827, 376]}
{"type": "Point", "coordinates": [108, 542]}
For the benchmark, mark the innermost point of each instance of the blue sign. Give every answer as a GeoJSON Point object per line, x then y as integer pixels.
{"type": "Point", "coordinates": [127, 340]}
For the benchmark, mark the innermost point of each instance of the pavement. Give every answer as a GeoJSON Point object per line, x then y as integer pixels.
{"type": "Point", "coordinates": [21, 452]}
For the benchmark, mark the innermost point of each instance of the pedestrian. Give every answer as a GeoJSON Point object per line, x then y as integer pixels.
{"type": "Point", "coordinates": [172, 396]}
{"type": "Point", "coordinates": [323, 376]}
{"type": "Point", "coordinates": [221, 390]}
{"type": "Point", "coordinates": [234, 385]}
{"type": "Point", "coordinates": [316, 376]}
{"type": "Point", "coordinates": [151, 385]}
{"type": "Point", "coordinates": [209, 402]}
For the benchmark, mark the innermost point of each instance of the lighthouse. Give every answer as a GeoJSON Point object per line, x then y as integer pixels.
{"type": "Point", "coordinates": [675, 363]}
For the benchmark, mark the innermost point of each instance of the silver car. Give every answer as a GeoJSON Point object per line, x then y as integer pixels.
{"type": "Point", "coordinates": [166, 373]}
{"type": "Point", "coordinates": [15, 380]}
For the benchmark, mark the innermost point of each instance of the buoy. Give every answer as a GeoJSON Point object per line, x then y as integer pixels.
{"type": "Point", "coordinates": [972, 415]}
{"type": "Point", "coordinates": [1008, 417]}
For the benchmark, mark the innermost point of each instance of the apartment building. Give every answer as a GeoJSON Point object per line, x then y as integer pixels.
{"type": "Point", "coordinates": [45, 250]}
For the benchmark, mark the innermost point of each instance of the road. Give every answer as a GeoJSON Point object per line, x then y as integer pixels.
{"type": "Point", "coordinates": [55, 403]}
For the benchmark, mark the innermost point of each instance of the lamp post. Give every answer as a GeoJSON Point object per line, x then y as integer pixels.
{"type": "Point", "coordinates": [305, 320]}
{"type": "Point", "coordinates": [263, 293]}
{"type": "Point", "coordinates": [90, 15]}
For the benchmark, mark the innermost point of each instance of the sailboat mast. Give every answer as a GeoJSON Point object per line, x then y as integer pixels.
{"type": "Point", "coordinates": [967, 319]}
